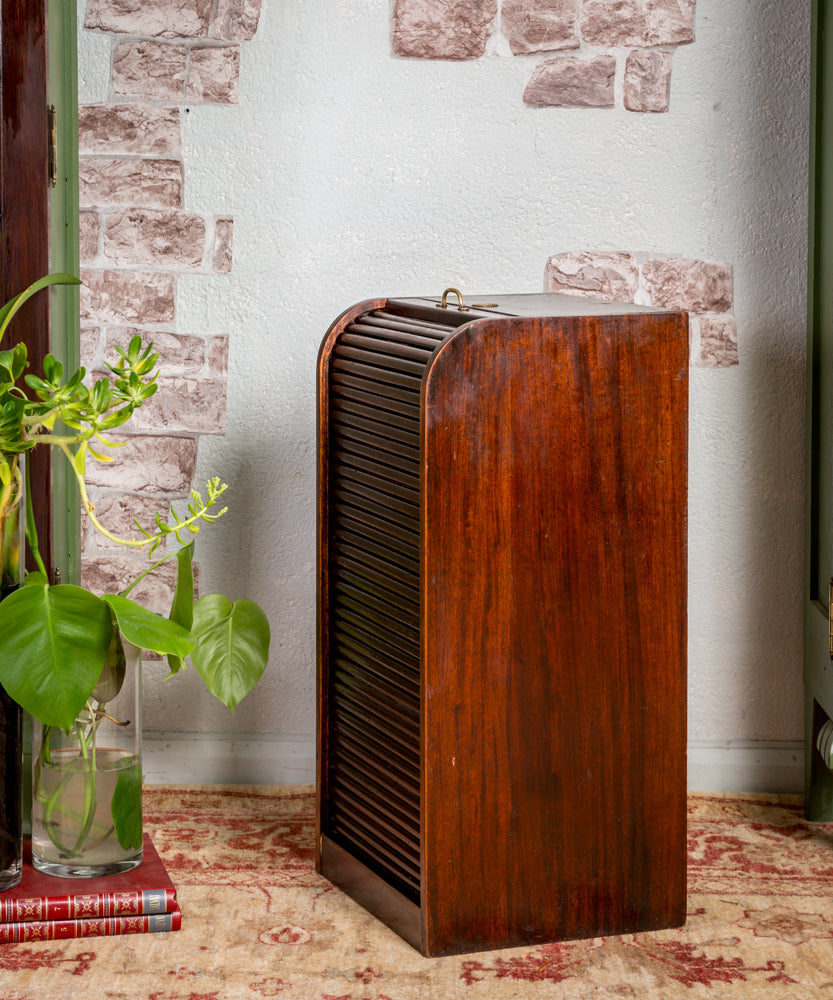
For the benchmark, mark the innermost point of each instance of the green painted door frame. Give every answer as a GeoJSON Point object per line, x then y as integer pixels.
{"type": "Point", "coordinates": [64, 256]}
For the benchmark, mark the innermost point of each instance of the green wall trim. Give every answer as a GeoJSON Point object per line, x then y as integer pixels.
{"type": "Point", "coordinates": [65, 256]}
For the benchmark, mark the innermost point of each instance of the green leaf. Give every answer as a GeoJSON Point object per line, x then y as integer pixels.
{"type": "Point", "coordinates": [12, 363]}
{"type": "Point", "coordinates": [182, 607]}
{"type": "Point", "coordinates": [148, 630]}
{"type": "Point", "coordinates": [232, 647]}
{"type": "Point", "coordinates": [126, 806]}
{"type": "Point", "coordinates": [10, 308]}
{"type": "Point", "coordinates": [53, 641]}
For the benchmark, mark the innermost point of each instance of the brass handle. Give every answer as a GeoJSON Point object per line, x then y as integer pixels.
{"type": "Point", "coordinates": [443, 304]}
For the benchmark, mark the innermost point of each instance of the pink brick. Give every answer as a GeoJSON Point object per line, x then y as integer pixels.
{"type": "Point", "coordinates": [214, 73]}
{"type": "Point", "coordinates": [116, 511]}
{"type": "Point", "coordinates": [223, 238]}
{"type": "Point", "coordinates": [153, 71]}
{"type": "Point", "coordinates": [152, 18]}
{"type": "Point", "coordinates": [91, 337]}
{"type": "Point", "coordinates": [196, 406]}
{"type": "Point", "coordinates": [147, 464]}
{"type": "Point", "coordinates": [647, 80]}
{"type": "Point", "coordinates": [611, 277]}
{"type": "Point", "coordinates": [155, 237]}
{"type": "Point", "coordinates": [89, 227]}
{"type": "Point", "coordinates": [126, 297]}
{"type": "Point", "coordinates": [540, 25]}
{"type": "Point", "coordinates": [695, 285]}
{"type": "Point", "coordinates": [178, 354]}
{"type": "Point", "coordinates": [218, 356]}
{"type": "Point", "coordinates": [442, 29]}
{"type": "Point", "coordinates": [149, 183]}
{"type": "Point", "coordinates": [565, 82]}
{"type": "Point", "coordinates": [637, 22]}
{"type": "Point", "coordinates": [236, 20]}
{"type": "Point", "coordinates": [129, 129]}
{"type": "Point", "coordinates": [718, 341]}
{"type": "Point", "coordinates": [111, 574]}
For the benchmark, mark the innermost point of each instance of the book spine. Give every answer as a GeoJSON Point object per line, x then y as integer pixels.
{"type": "Point", "coordinates": [100, 904]}
{"type": "Point", "coordinates": [55, 930]}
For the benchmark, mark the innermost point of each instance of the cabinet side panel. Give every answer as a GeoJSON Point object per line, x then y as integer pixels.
{"type": "Point", "coordinates": [554, 622]}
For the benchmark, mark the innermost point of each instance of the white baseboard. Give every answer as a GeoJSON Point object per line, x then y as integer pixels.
{"type": "Point", "coordinates": [746, 766]}
{"type": "Point", "coordinates": [224, 759]}
{"type": "Point", "coordinates": [220, 759]}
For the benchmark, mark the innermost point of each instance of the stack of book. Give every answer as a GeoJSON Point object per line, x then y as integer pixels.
{"type": "Point", "coordinates": [45, 908]}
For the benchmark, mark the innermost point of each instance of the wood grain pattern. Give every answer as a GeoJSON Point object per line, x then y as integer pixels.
{"type": "Point", "coordinates": [24, 247]}
{"type": "Point", "coordinates": [552, 631]}
{"type": "Point", "coordinates": [555, 631]}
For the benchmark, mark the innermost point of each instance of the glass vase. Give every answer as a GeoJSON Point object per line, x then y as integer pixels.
{"type": "Point", "coordinates": [11, 715]}
{"type": "Point", "coordinates": [87, 784]}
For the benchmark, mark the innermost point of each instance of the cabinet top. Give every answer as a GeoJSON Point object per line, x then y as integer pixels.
{"type": "Point", "coordinates": [533, 304]}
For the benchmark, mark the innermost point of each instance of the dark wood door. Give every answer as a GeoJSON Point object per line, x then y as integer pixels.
{"type": "Point", "coordinates": [24, 218]}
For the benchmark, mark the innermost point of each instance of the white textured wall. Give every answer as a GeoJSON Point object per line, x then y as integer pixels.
{"type": "Point", "coordinates": [350, 173]}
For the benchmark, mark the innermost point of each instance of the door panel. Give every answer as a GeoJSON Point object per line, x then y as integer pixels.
{"type": "Point", "coordinates": [24, 233]}
{"type": "Point", "coordinates": [818, 667]}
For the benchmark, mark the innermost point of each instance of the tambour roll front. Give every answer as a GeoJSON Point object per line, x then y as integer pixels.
{"type": "Point", "coordinates": [502, 617]}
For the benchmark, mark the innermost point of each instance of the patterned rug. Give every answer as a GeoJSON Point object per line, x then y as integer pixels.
{"type": "Point", "coordinates": [258, 922]}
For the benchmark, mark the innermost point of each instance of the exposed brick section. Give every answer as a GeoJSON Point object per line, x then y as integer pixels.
{"type": "Point", "coordinates": [223, 237]}
{"type": "Point", "coordinates": [178, 354]}
{"type": "Point", "coordinates": [153, 18]}
{"type": "Point", "coordinates": [236, 20]}
{"type": "Point", "coordinates": [169, 52]}
{"type": "Point", "coordinates": [647, 80]}
{"type": "Point", "coordinates": [110, 574]}
{"type": "Point", "coordinates": [637, 22]}
{"type": "Point", "coordinates": [572, 83]}
{"type": "Point", "coordinates": [701, 288]}
{"type": "Point", "coordinates": [213, 76]}
{"type": "Point", "coordinates": [149, 183]}
{"type": "Point", "coordinates": [196, 406]}
{"type": "Point", "coordinates": [718, 341]}
{"type": "Point", "coordinates": [442, 29]}
{"type": "Point", "coordinates": [218, 356]}
{"type": "Point", "coordinates": [156, 238]}
{"type": "Point", "coordinates": [126, 297]}
{"type": "Point", "coordinates": [540, 25]}
{"type": "Point", "coordinates": [148, 464]}
{"type": "Point", "coordinates": [696, 285]}
{"type": "Point", "coordinates": [153, 71]}
{"type": "Point", "coordinates": [129, 129]}
{"type": "Point", "coordinates": [461, 29]}
{"type": "Point", "coordinates": [612, 277]}
{"type": "Point", "coordinates": [116, 511]}
{"type": "Point", "coordinates": [89, 225]}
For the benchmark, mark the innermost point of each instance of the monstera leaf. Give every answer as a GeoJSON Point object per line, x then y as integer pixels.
{"type": "Point", "coordinates": [53, 643]}
{"type": "Point", "coordinates": [232, 646]}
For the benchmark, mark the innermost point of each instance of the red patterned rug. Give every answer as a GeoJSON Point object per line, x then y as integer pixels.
{"type": "Point", "coordinates": [258, 922]}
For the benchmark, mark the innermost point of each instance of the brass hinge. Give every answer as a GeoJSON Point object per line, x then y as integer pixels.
{"type": "Point", "coordinates": [53, 146]}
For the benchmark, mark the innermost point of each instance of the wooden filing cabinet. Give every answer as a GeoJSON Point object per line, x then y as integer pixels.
{"type": "Point", "coordinates": [502, 617]}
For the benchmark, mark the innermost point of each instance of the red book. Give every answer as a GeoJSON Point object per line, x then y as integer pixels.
{"type": "Point", "coordinates": [147, 890]}
{"type": "Point", "coordinates": [54, 930]}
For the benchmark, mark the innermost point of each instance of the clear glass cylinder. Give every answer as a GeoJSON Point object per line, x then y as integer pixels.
{"type": "Point", "coordinates": [11, 716]}
{"type": "Point", "coordinates": [87, 784]}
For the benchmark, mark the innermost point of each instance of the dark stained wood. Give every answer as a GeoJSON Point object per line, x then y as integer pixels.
{"type": "Point", "coordinates": [24, 248]}
{"type": "Point", "coordinates": [552, 742]}
{"type": "Point", "coordinates": [322, 557]}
